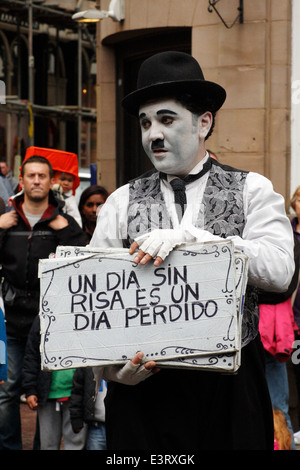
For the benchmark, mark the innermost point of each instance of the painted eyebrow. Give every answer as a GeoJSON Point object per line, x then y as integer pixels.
{"type": "Point", "coordinates": [166, 111]}
{"type": "Point", "coordinates": [161, 111]}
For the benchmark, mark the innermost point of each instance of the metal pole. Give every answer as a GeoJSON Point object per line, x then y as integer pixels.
{"type": "Point", "coordinates": [79, 92]}
{"type": "Point", "coordinates": [30, 69]}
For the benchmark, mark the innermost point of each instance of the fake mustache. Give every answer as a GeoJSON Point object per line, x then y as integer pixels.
{"type": "Point", "coordinates": [157, 144]}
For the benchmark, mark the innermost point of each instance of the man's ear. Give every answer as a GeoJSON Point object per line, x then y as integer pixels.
{"type": "Point", "coordinates": [204, 124]}
{"type": "Point", "coordinates": [21, 182]}
{"type": "Point", "coordinates": [52, 182]}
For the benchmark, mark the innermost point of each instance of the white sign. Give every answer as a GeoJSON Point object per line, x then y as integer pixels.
{"type": "Point", "coordinates": [97, 307]}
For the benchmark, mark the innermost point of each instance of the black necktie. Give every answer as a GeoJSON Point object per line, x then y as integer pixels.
{"type": "Point", "coordinates": [178, 186]}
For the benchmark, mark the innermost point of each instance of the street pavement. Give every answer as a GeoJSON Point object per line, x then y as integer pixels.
{"type": "Point", "coordinates": [28, 419]}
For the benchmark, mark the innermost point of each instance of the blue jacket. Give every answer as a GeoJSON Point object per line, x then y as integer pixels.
{"type": "Point", "coordinates": [3, 347]}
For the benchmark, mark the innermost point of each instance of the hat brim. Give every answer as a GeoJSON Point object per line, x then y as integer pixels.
{"type": "Point", "coordinates": [203, 91]}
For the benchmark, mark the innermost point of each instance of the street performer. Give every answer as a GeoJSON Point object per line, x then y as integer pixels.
{"type": "Point", "coordinates": [190, 197]}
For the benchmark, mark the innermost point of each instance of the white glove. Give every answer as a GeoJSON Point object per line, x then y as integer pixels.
{"type": "Point", "coordinates": [129, 374]}
{"type": "Point", "coordinates": [160, 242]}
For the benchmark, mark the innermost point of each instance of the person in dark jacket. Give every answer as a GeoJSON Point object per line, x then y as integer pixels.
{"type": "Point", "coordinates": [28, 233]}
{"type": "Point", "coordinates": [87, 406]}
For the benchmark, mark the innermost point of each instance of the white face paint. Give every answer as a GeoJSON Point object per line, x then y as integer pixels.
{"type": "Point", "coordinates": [172, 136]}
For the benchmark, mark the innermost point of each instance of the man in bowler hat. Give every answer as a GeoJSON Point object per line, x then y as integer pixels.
{"type": "Point", "coordinates": [190, 197]}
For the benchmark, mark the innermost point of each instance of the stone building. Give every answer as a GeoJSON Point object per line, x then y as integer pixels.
{"type": "Point", "coordinates": [50, 97]}
{"type": "Point", "coordinates": [254, 56]}
{"type": "Point", "coordinates": [251, 60]}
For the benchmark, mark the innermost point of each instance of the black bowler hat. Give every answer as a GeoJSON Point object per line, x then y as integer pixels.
{"type": "Point", "coordinates": [169, 74]}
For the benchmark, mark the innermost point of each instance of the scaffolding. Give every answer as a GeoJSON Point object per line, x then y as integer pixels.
{"type": "Point", "coordinates": [30, 14]}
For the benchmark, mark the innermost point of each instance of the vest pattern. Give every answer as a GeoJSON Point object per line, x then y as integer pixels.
{"type": "Point", "coordinates": [147, 209]}
{"type": "Point", "coordinates": [221, 213]}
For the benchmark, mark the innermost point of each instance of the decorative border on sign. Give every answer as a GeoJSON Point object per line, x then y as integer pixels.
{"type": "Point", "coordinates": [225, 360]}
{"type": "Point", "coordinates": [212, 356]}
{"type": "Point", "coordinates": [215, 251]}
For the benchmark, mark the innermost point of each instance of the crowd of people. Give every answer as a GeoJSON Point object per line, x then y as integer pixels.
{"type": "Point", "coordinates": [36, 219]}
{"type": "Point", "coordinates": [188, 197]}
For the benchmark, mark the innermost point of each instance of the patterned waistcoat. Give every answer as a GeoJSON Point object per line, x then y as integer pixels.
{"type": "Point", "coordinates": [221, 213]}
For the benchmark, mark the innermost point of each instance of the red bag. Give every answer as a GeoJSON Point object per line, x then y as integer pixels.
{"type": "Point", "coordinates": [277, 329]}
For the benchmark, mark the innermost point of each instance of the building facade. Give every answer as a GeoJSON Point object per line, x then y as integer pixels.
{"type": "Point", "coordinates": [48, 69]}
{"type": "Point", "coordinates": [55, 99]}
{"type": "Point", "coordinates": [251, 60]}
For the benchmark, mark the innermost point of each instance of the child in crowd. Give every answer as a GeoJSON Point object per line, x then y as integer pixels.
{"type": "Point", "coordinates": [87, 406]}
{"type": "Point", "coordinates": [63, 188]}
{"type": "Point", "coordinates": [49, 393]}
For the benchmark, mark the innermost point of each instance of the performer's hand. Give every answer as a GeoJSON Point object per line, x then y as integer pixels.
{"type": "Point", "coordinates": [150, 366]}
{"type": "Point", "coordinates": [156, 244]}
{"type": "Point", "coordinates": [132, 373]}
{"type": "Point", "coordinates": [8, 219]}
{"type": "Point", "coordinates": [143, 257]}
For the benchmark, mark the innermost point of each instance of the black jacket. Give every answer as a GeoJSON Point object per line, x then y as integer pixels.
{"type": "Point", "coordinates": [34, 380]}
{"type": "Point", "coordinates": [21, 248]}
{"type": "Point", "coordinates": [83, 398]}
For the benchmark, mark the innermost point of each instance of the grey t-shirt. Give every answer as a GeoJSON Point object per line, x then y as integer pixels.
{"type": "Point", "coordinates": [32, 219]}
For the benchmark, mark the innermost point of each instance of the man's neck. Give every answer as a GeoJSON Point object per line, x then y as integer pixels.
{"type": "Point", "coordinates": [197, 168]}
{"type": "Point", "coordinates": [34, 207]}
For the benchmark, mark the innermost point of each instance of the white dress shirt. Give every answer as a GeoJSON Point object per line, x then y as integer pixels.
{"type": "Point", "coordinates": [267, 237]}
